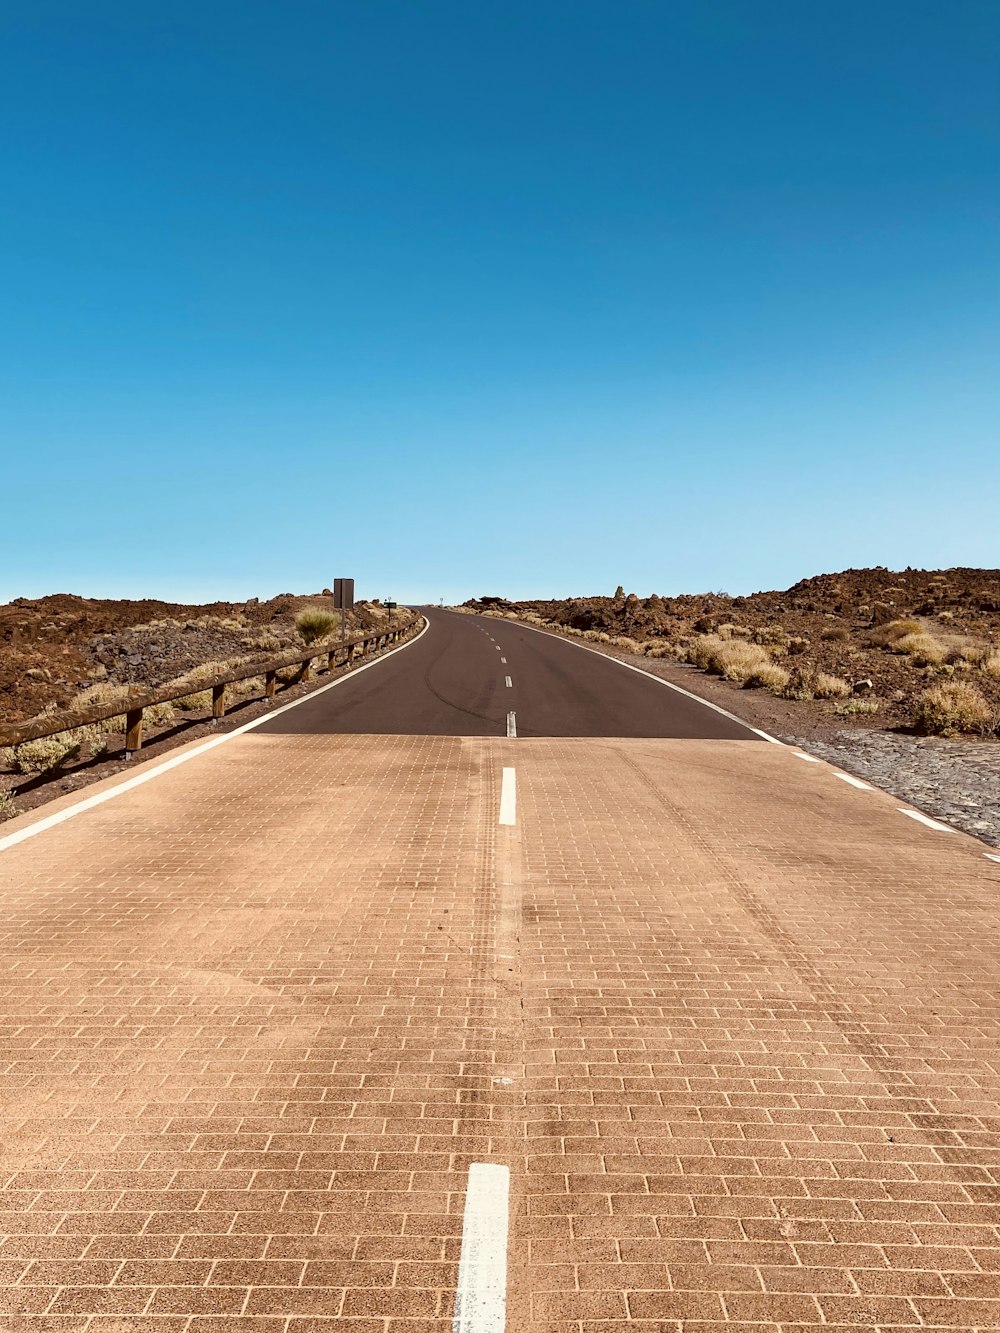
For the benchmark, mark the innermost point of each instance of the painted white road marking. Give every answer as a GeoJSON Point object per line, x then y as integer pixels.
{"type": "Point", "coordinates": [481, 1298]}
{"type": "Point", "coordinates": [508, 682]}
{"type": "Point", "coordinates": [925, 819]}
{"type": "Point", "coordinates": [508, 797]}
{"type": "Point", "coordinates": [678, 689]}
{"type": "Point", "coordinates": [512, 726]}
{"type": "Point", "coordinates": [503, 661]}
{"type": "Point", "coordinates": [855, 782]}
{"type": "Point", "coordinates": [990, 857]}
{"type": "Point", "coordinates": [100, 797]}
{"type": "Point", "coordinates": [809, 758]}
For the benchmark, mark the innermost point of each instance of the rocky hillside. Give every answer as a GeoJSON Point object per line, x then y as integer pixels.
{"type": "Point", "coordinates": [913, 648]}
{"type": "Point", "coordinates": [54, 648]}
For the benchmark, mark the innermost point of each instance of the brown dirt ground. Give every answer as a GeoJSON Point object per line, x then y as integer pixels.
{"type": "Point", "coordinates": [833, 623]}
{"type": "Point", "coordinates": [53, 647]}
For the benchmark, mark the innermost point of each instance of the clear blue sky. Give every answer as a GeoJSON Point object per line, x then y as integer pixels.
{"type": "Point", "coordinates": [523, 297]}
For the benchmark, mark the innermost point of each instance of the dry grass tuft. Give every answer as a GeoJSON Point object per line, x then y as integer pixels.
{"type": "Point", "coordinates": [990, 664]}
{"type": "Point", "coordinates": [733, 659]}
{"type": "Point", "coordinates": [951, 709]}
{"type": "Point", "coordinates": [830, 687]}
{"type": "Point", "coordinates": [868, 705]}
{"type": "Point", "coordinates": [767, 676]}
{"type": "Point", "coordinates": [836, 634]}
{"type": "Point", "coordinates": [315, 623]}
{"type": "Point", "coordinates": [888, 634]}
{"type": "Point", "coordinates": [193, 703]}
{"type": "Point", "coordinates": [922, 647]}
{"type": "Point", "coordinates": [41, 755]}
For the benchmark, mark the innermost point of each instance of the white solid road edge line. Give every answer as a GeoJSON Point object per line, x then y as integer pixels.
{"type": "Point", "coordinates": [481, 1298]}
{"type": "Point", "coordinates": [508, 797]}
{"type": "Point", "coordinates": [925, 819]}
{"type": "Point", "coordinates": [570, 643]}
{"type": "Point", "coordinates": [89, 802]}
{"type": "Point", "coordinates": [855, 782]}
{"type": "Point", "coordinates": [809, 758]}
{"type": "Point", "coordinates": [512, 726]}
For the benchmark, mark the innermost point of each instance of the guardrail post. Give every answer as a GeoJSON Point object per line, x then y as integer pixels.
{"type": "Point", "coordinates": [270, 684]}
{"type": "Point", "coordinates": [306, 672]}
{"type": "Point", "coordinates": [331, 659]}
{"type": "Point", "coordinates": [218, 702]}
{"type": "Point", "coordinates": [133, 732]}
{"type": "Point", "coordinates": [350, 653]}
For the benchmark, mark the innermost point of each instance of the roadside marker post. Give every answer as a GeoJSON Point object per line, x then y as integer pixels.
{"type": "Point", "coordinates": [343, 601]}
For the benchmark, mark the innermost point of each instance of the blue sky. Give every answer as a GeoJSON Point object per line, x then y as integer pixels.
{"type": "Point", "coordinates": [523, 298]}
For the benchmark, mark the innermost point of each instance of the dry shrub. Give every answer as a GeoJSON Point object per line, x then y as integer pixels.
{"type": "Point", "coordinates": [773, 635]}
{"type": "Point", "coordinates": [826, 686]}
{"type": "Point", "coordinates": [887, 635]}
{"type": "Point", "coordinates": [733, 659]}
{"type": "Point", "coordinates": [965, 652]}
{"type": "Point", "coordinates": [922, 647]}
{"type": "Point", "coordinates": [767, 676]}
{"type": "Point", "coordinates": [158, 715]}
{"type": "Point", "coordinates": [254, 685]}
{"type": "Point", "coordinates": [951, 709]}
{"type": "Point", "coordinates": [868, 705]}
{"type": "Point", "coordinates": [193, 703]}
{"type": "Point", "coordinates": [658, 648]}
{"type": "Point", "coordinates": [625, 643]}
{"type": "Point", "coordinates": [41, 755]}
{"type": "Point", "coordinates": [836, 634]}
{"type": "Point", "coordinates": [99, 695]}
{"type": "Point", "coordinates": [315, 623]}
{"type": "Point", "coordinates": [7, 807]}
{"type": "Point", "coordinates": [264, 642]}
{"type": "Point", "coordinates": [990, 664]}
{"type": "Point", "coordinates": [797, 645]}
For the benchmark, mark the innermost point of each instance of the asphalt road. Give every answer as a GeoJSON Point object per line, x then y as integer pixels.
{"type": "Point", "coordinates": [454, 682]}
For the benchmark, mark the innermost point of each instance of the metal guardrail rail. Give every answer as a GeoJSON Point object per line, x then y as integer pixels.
{"type": "Point", "coordinates": [132, 706]}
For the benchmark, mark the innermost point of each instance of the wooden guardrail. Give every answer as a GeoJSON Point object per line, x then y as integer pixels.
{"type": "Point", "coordinates": [131, 706]}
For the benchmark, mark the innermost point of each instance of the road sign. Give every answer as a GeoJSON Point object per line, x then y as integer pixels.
{"type": "Point", "coordinates": [343, 594]}
{"type": "Point", "coordinates": [390, 606]}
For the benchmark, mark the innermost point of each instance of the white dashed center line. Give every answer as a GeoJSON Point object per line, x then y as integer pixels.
{"type": "Point", "coordinates": [508, 797]}
{"type": "Point", "coordinates": [512, 726]}
{"type": "Point", "coordinates": [508, 682]}
{"type": "Point", "coordinates": [481, 1298]}
{"type": "Point", "coordinates": [855, 782]}
{"type": "Point", "coordinates": [503, 661]}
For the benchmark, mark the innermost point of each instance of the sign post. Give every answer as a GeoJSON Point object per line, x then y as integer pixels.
{"type": "Point", "coordinates": [343, 601]}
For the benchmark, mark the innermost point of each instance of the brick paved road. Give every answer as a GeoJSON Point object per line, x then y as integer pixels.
{"type": "Point", "coordinates": [733, 1025]}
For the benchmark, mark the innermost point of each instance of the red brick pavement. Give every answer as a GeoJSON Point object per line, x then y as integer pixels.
{"type": "Point", "coordinates": [732, 1025]}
